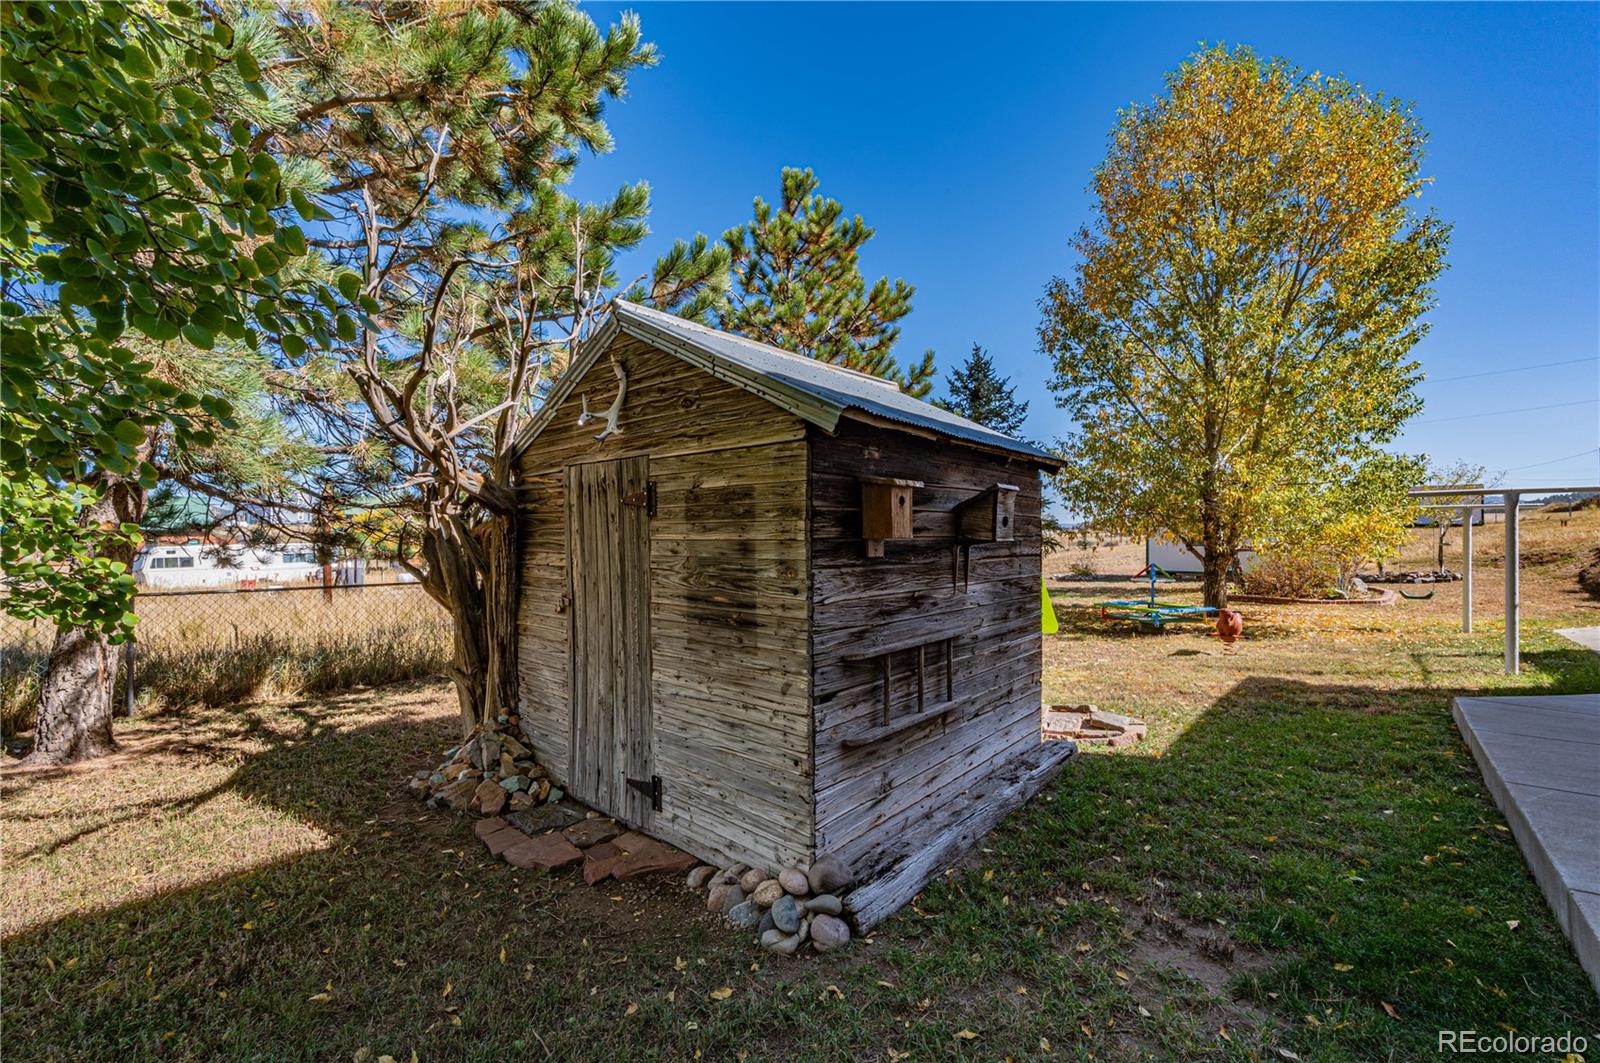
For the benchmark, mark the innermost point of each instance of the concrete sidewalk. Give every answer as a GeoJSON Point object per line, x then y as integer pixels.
{"type": "Point", "coordinates": [1588, 637]}
{"type": "Point", "coordinates": [1540, 758]}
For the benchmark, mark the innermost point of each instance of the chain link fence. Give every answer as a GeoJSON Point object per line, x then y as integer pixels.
{"type": "Point", "coordinates": [220, 647]}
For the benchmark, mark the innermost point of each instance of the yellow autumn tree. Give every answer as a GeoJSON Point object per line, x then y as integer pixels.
{"type": "Point", "coordinates": [1237, 335]}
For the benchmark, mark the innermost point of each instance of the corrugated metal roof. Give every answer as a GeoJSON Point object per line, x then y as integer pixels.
{"type": "Point", "coordinates": [814, 391]}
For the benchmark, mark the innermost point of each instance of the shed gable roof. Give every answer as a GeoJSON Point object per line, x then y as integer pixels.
{"type": "Point", "coordinates": [814, 391]}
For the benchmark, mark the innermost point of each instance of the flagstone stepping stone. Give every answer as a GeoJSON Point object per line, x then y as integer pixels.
{"type": "Point", "coordinates": [547, 852]}
{"type": "Point", "coordinates": [646, 855]}
{"type": "Point", "coordinates": [545, 818]}
{"type": "Point", "coordinates": [592, 832]}
{"type": "Point", "coordinates": [497, 834]}
{"type": "Point", "coordinates": [485, 827]}
{"type": "Point", "coordinates": [599, 860]}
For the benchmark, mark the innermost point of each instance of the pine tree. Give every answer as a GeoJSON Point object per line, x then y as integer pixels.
{"type": "Point", "coordinates": [798, 285]}
{"type": "Point", "coordinates": [980, 394]}
{"type": "Point", "coordinates": [436, 147]}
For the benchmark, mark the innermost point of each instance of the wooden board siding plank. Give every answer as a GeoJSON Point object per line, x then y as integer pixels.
{"type": "Point", "coordinates": [731, 677]}
{"type": "Point", "coordinates": [951, 831]}
{"type": "Point", "coordinates": [886, 778]}
{"type": "Point", "coordinates": [989, 672]}
{"type": "Point", "coordinates": [869, 798]}
{"type": "Point", "coordinates": [634, 623]}
{"type": "Point", "coordinates": [728, 676]}
{"type": "Point", "coordinates": [873, 831]}
{"type": "Point", "coordinates": [542, 623]}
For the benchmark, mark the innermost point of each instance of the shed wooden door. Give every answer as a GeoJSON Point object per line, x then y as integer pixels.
{"type": "Point", "coordinates": [608, 558]}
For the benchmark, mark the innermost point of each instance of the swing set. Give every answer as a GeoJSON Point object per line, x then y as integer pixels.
{"type": "Point", "coordinates": [1151, 612]}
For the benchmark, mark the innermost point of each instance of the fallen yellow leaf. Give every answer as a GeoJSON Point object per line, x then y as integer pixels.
{"type": "Point", "coordinates": [722, 994]}
{"type": "Point", "coordinates": [966, 1035]}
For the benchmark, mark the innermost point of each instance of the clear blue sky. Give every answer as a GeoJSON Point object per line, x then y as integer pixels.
{"type": "Point", "coordinates": [965, 135]}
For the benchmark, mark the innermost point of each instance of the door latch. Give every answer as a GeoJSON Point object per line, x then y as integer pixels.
{"type": "Point", "coordinates": [651, 786]}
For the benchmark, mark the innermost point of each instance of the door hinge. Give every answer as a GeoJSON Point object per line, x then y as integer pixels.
{"type": "Point", "coordinates": [651, 786]}
{"type": "Point", "coordinates": [645, 498]}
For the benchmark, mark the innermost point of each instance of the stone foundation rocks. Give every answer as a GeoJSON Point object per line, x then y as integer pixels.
{"type": "Point", "coordinates": [787, 908]}
{"type": "Point", "coordinates": [529, 824]}
{"type": "Point", "coordinates": [492, 771]}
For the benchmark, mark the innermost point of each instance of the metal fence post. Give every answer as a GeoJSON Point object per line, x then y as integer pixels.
{"type": "Point", "coordinates": [127, 667]}
{"type": "Point", "coordinates": [1513, 585]}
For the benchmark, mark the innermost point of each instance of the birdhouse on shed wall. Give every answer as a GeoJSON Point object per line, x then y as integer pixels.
{"type": "Point", "coordinates": [886, 510]}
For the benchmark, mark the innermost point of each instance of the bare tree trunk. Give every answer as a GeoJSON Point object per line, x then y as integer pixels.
{"type": "Point", "coordinates": [75, 698]}
{"type": "Point", "coordinates": [1218, 557]}
{"type": "Point", "coordinates": [473, 573]}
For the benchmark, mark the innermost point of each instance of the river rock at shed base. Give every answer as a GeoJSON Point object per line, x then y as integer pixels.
{"type": "Point", "coordinates": [829, 933]}
{"type": "Point", "coordinates": [829, 875]}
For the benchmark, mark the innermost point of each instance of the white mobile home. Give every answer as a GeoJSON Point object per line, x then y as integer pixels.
{"type": "Point", "coordinates": [194, 563]}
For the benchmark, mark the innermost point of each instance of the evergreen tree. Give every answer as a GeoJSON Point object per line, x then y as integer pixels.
{"type": "Point", "coordinates": [137, 235]}
{"type": "Point", "coordinates": [798, 285]}
{"type": "Point", "coordinates": [437, 142]}
{"type": "Point", "coordinates": [980, 394]}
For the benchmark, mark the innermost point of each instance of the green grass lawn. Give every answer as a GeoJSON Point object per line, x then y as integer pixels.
{"type": "Point", "coordinates": [1301, 862]}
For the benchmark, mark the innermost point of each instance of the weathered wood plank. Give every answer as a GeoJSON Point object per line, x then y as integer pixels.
{"type": "Point", "coordinates": [963, 826]}
{"type": "Point", "coordinates": [879, 802]}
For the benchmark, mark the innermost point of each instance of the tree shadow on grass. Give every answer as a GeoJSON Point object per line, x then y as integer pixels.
{"type": "Point", "coordinates": [1329, 848]}
{"type": "Point", "coordinates": [1341, 832]}
{"type": "Point", "coordinates": [417, 938]}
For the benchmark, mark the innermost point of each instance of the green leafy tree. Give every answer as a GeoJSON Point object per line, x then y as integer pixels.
{"type": "Point", "coordinates": [1319, 534]}
{"type": "Point", "coordinates": [979, 393]}
{"type": "Point", "coordinates": [441, 144]}
{"type": "Point", "coordinates": [798, 285]}
{"type": "Point", "coordinates": [1452, 474]}
{"type": "Point", "coordinates": [1249, 293]}
{"type": "Point", "coordinates": [134, 222]}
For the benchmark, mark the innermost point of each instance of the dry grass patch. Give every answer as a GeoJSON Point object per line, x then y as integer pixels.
{"type": "Point", "coordinates": [183, 803]}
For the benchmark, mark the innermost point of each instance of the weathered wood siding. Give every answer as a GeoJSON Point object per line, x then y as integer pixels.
{"type": "Point", "coordinates": [871, 800]}
{"type": "Point", "coordinates": [730, 681]}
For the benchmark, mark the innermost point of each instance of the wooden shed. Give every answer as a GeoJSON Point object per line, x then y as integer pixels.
{"type": "Point", "coordinates": [772, 608]}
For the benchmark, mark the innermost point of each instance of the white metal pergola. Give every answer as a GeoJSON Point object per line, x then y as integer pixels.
{"type": "Point", "coordinates": [1513, 501]}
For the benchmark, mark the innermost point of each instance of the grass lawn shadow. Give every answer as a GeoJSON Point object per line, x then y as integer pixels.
{"type": "Point", "coordinates": [1276, 870]}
